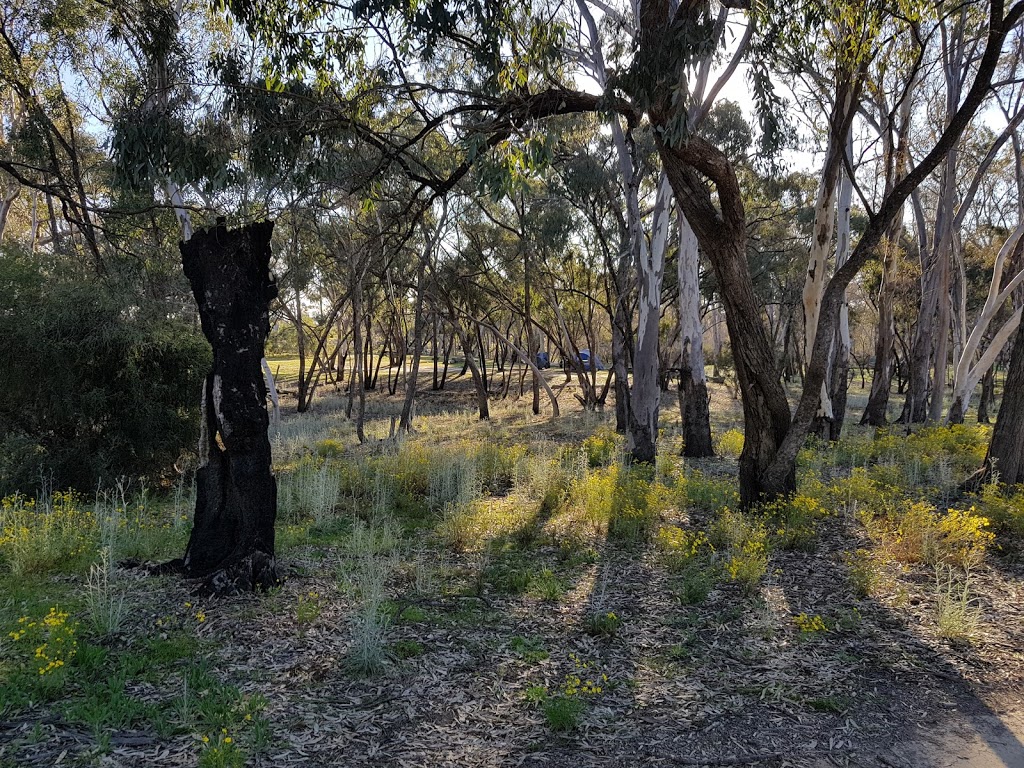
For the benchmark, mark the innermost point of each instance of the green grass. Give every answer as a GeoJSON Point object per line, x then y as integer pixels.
{"type": "Point", "coordinates": [471, 529]}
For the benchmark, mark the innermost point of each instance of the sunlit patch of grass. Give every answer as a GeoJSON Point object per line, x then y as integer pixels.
{"type": "Point", "coordinates": [916, 532]}
{"type": "Point", "coordinates": [743, 542]}
{"type": "Point", "coordinates": [62, 532]}
{"type": "Point", "coordinates": [471, 526]}
{"type": "Point", "coordinates": [730, 443]}
{"type": "Point", "coordinates": [710, 494]}
{"type": "Point", "coordinates": [957, 615]}
{"type": "Point", "coordinates": [793, 521]}
{"type": "Point", "coordinates": [1004, 507]}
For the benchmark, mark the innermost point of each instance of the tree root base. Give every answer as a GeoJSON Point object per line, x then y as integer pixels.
{"type": "Point", "coordinates": [255, 572]}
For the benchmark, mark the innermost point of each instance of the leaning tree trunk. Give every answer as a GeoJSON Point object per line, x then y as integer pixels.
{"type": "Point", "coordinates": [723, 239]}
{"type": "Point", "coordinates": [821, 243]}
{"type": "Point", "coordinates": [232, 540]}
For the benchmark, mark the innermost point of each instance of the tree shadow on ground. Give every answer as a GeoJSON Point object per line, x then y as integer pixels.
{"type": "Point", "coordinates": [915, 707]}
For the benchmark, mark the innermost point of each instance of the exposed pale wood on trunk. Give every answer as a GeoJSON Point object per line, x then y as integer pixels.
{"type": "Point", "coordinates": [693, 388]}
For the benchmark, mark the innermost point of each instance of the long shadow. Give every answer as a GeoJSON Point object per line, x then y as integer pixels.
{"type": "Point", "coordinates": [600, 651]}
{"type": "Point", "coordinates": [899, 672]}
{"type": "Point", "coordinates": [507, 623]}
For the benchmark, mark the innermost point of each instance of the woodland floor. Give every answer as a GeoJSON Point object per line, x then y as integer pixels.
{"type": "Point", "coordinates": [728, 681]}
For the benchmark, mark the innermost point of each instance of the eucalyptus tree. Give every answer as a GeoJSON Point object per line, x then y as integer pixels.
{"type": "Point", "coordinates": [890, 90]}
{"type": "Point", "coordinates": [850, 43]}
{"type": "Point", "coordinates": [724, 125]}
{"type": "Point", "coordinates": [521, 80]}
{"type": "Point", "coordinates": [977, 354]}
{"type": "Point", "coordinates": [1004, 461]}
{"type": "Point", "coordinates": [773, 434]}
{"type": "Point", "coordinates": [43, 144]}
{"type": "Point", "coordinates": [961, 35]}
{"type": "Point", "coordinates": [590, 180]}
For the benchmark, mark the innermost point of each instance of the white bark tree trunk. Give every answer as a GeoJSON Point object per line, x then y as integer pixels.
{"type": "Point", "coordinates": [821, 237]}
{"type": "Point", "coordinates": [693, 386]}
{"type": "Point", "coordinates": [645, 397]}
{"type": "Point", "coordinates": [968, 373]}
{"type": "Point", "coordinates": [840, 362]}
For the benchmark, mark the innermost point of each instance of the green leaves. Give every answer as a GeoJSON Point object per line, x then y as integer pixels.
{"type": "Point", "coordinates": [512, 164]}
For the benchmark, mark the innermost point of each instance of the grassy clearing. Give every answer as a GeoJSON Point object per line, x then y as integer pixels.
{"type": "Point", "coordinates": [512, 539]}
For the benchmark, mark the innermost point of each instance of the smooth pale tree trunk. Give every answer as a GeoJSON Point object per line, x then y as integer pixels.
{"type": "Point", "coordinates": [962, 394]}
{"type": "Point", "coordinates": [837, 380]}
{"type": "Point", "coordinates": [6, 202]}
{"type": "Point", "coordinates": [969, 373]}
{"type": "Point", "coordinates": [643, 408]}
{"type": "Point", "coordinates": [930, 349]}
{"type": "Point", "coordinates": [817, 264]}
{"type": "Point", "coordinates": [693, 385]}
{"type": "Point", "coordinates": [232, 541]}
{"type": "Point", "coordinates": [821, 240]}
{"type": "Point", "coordinates": [645, 396]}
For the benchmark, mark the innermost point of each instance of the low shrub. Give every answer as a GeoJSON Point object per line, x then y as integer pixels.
{"type": "Point", "coordinates": [730, 443]}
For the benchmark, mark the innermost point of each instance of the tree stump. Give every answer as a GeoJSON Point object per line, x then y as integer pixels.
{"type": "Point", "coordinates": [232, 542]}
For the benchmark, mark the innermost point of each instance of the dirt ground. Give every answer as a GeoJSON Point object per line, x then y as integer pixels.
{"type": "Point", "coordinates": [728, 682]}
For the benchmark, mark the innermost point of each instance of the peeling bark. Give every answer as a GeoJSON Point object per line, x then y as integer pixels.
{"type": "Point", "coordinates": [645, 396]}
{"type": "Point", "coordinates": [693, 387]}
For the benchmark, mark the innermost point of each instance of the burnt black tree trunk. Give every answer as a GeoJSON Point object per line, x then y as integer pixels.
{"type": "Point", "coordinates": [232, 541]}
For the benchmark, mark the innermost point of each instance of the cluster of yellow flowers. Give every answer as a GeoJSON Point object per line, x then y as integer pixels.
{"type": "Point", "coordinates": [199, 614]}
{"type": "Point", "coordinates": [810, 624]}
{"type": "Point", "coordinates": [54, 638]}
{"type": "Point", "coordinates": [224, 738]}
{"type": "Point", "coordinates": [575, 684]}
